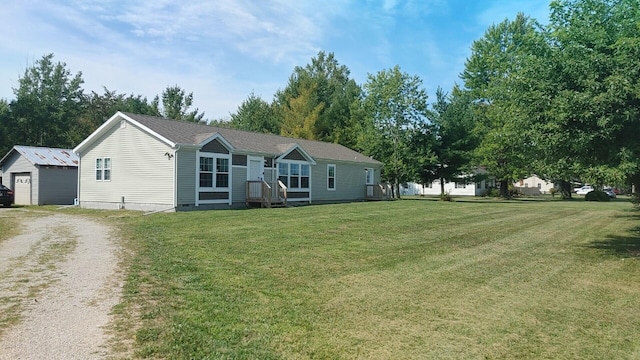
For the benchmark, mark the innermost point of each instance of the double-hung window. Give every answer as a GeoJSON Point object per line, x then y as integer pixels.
{"type": "Point", "coordinates": [331, 177]}
{"type": "Point", "coordinates": [103, 169]}
{"type": "Point", "coordinates": [214, 177]}
{"type": "Point", "coordinates": [222, 172]}
{"type": "Point", "coordinates": [294, 175]}
{"type": "Point", "coordinates": [206, 172]}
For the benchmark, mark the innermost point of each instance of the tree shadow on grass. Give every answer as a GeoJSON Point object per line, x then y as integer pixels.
{"type": "Point", "coordinates": [622, 246]}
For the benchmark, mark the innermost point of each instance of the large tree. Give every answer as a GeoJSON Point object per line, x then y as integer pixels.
{"type": "Point", "coordinates": [505, 149]}
{"type": "Point", "coordinates": [48, 106]}
{"type": "Point", "coordinates": [395, 104]}
{"type": "Point", "coordinates": [452, 138]}
{"type": "Point", "coordinates": [100, 107]}
{"type": "Point", "coordinates": [255, 114]}
{"type": "Point", "coordinates": [176, 104]}
{"type": "Point", "coordinates": [328, 84]}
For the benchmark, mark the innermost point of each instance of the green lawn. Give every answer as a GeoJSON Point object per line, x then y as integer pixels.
{"type": "Point", "coordinates": [385, 280]}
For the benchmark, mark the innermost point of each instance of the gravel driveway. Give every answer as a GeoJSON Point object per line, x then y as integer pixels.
{"type": "Point", "coordinates": [59, 280]}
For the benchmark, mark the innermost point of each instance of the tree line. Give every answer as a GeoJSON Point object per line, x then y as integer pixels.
{"type": "Point", "coordinates": [559, 100]}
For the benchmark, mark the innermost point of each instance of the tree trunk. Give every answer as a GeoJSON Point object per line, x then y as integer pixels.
{"type": "Point", "coordinates": [565, 190]}
{"type": "Point", "coordinates": [504, 188]}
{"type": "Point", "coordinates": [441, 187]}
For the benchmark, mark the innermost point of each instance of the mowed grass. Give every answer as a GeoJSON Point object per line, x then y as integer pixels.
{"type": "Point", "coordinates": [407, 279]}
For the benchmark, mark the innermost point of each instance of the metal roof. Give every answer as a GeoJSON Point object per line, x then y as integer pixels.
{"type": "Point", "coordinates": [44, 156]}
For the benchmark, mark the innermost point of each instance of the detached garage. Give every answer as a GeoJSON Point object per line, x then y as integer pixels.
{"type": "Point", "coordinates": [41, 176]}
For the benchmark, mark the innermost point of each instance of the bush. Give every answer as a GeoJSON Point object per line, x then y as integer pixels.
{"type": "Point", "coordinates": [597, 195]}
{"type": "Point", "coordinates": [491, 192]}
{"type": "Point", "coordinates": [553, 192]}
{"type": "Point", "coordinates": [446, 197]}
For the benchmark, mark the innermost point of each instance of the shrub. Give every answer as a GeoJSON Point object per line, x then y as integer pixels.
{"type": "Point", "coordinates": [597, 195]}
{"type": "Point", "coordinates": [491, 192]}
{"type": "Point", "coordinates": [446, 197]}
{"type": "Point", "coordinates": [553, 192]}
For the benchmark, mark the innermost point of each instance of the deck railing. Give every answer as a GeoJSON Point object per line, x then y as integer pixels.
{"type": "Point", "coordinates": [379, 192]}
{"type": "Point", "coordinates": [259, 191]}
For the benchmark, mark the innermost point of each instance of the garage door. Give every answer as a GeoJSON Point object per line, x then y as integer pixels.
{"type": "Point", "coordinates": [22, 189]}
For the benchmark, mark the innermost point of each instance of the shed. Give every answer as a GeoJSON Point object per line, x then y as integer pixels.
{"type": "Point", "coordinates": [41, 175]}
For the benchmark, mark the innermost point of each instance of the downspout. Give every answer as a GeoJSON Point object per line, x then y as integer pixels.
{"type": "Point", "coordinates": [77, 199]}
{"type": "Point", "coordinates": [175, 177]}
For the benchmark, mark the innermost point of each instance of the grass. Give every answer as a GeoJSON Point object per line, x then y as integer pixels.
{"type": "Point", "coordinates": [406, 279]}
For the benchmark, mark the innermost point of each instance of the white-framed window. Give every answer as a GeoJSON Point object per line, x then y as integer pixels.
{"type": "Point", "coordinates": [103, 169]}
{"type": "Point", "coordinates": [214, 177]}
{"type": "Point", "coordinates": [294, 175]}
{"type": "Point", "coordinates": [460, 184]}
{"type": "Point", "coordinates": [331, 177]}
{"type": "Point", "coordinates": [539, 185]}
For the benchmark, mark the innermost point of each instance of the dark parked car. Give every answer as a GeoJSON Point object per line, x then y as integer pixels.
{"type": "Point", "coordinates": [6, 196]}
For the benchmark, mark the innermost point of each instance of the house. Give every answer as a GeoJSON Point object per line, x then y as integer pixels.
{"type": "Point", "coordinates": [533, 185]}
{"type": "Point", "coordinates": [470, 185]}
{"type": "Point", "coordinates": [40, 175]}
{"type": "Point", "coordinates": [153, 164]}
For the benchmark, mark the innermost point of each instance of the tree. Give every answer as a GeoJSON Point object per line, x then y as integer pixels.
{"type": "Point", "coordinates": [300, 115]}
{"type": "Point", "coordinates": [100, 107]}
{"type": "Point", "coordinates": [48, 106]}
{"type": "Point", "coordinates": [596, 94]}
{"type": "Point", "coordinates": [255, 114]}
{"type": "Point", "coordinates": [451, 126]}
{"type": "Point", "coordinates": [176, 103]}
{"type": "Point", "coordinates": [5, 129]}
{"type": "Point", "coordinates": [333, 90]}
{"type": "Point", "coordinates": [395, 105]}
{"type": "Point", "coordinates": [505, 146]}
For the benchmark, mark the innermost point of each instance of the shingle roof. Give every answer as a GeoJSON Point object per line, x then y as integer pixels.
{"type": "Point", "coordinates": [45, 156]}
{"type": "Point", "coordinates": [186, 133]}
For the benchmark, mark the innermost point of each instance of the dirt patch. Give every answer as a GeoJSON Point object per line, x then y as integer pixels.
{"type": "Point", "coordinates": [59, 281]}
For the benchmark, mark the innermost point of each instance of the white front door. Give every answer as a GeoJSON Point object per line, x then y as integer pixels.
{"type": "Point", "coordinates": [256, 168]}
{"type": "Point", "coordinates": [22, 189]}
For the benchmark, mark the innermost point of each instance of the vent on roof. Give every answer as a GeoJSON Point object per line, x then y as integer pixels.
{"type": "Point", "coordinates": [123, 124]}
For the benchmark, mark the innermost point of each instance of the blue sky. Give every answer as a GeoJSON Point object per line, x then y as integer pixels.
{"type": "Point", "coordinates": [225, 49]}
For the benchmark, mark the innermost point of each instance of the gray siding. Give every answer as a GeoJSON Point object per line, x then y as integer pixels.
{"type": "Point", "coordinates": [57, 185]}
{"type": "Point", "coordinates": [186, 162]}
{"type": "Point", "coordinates": [141, 173]}
{"type": "Point", "coordinates": [350, 182]}
{"type": "Point", "coordinates": [239, 190]}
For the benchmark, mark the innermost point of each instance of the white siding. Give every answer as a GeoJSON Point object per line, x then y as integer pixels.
{"type": "Point", "coordinates": [529, 186]}
{"type": "Point", "coordinates": [470, 189]}
{"type": "Point", "coordinates": [141, 173]}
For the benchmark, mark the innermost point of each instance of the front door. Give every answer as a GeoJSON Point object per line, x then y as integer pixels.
{"type": "Point", "coordinates": [256, 169]}
{"type": "Point", "coordinates": [369, 181]}
{"type": "Point", "coordinates": [255, 172]}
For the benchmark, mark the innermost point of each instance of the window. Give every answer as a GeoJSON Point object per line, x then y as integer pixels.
{"type": "Point", "coordinates": [222, 173]}
{"type": "Point", "coordinates": [526, 185]}
{"type": "Point", "coordinates": [461, 184]}
{"type": "Point", "coordinates": [294, 175]}
{"type": "Point", "coordinates": [331, 177]}
{"type": "Point", "coordinates": [208, 173]}
{"type": "Point", "coordinates": [539, 185]}
{"type": "Point", "coordinates": [103, 169]}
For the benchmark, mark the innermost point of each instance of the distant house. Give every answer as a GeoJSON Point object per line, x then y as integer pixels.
{"type": "Point", "coordinates": [154, 164]}
{"type": "Point", "coordinates": [40, 175]}
{"type": "Point", "coordinates": [471, 185]}
{"type": "Point", "coordinates": [533, 185]}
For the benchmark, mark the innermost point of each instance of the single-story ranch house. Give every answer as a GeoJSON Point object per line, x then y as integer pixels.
{"type": "Point", "coordinates": [149, 163]}
{"type": "Point", "coordinates": [40, 175]}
